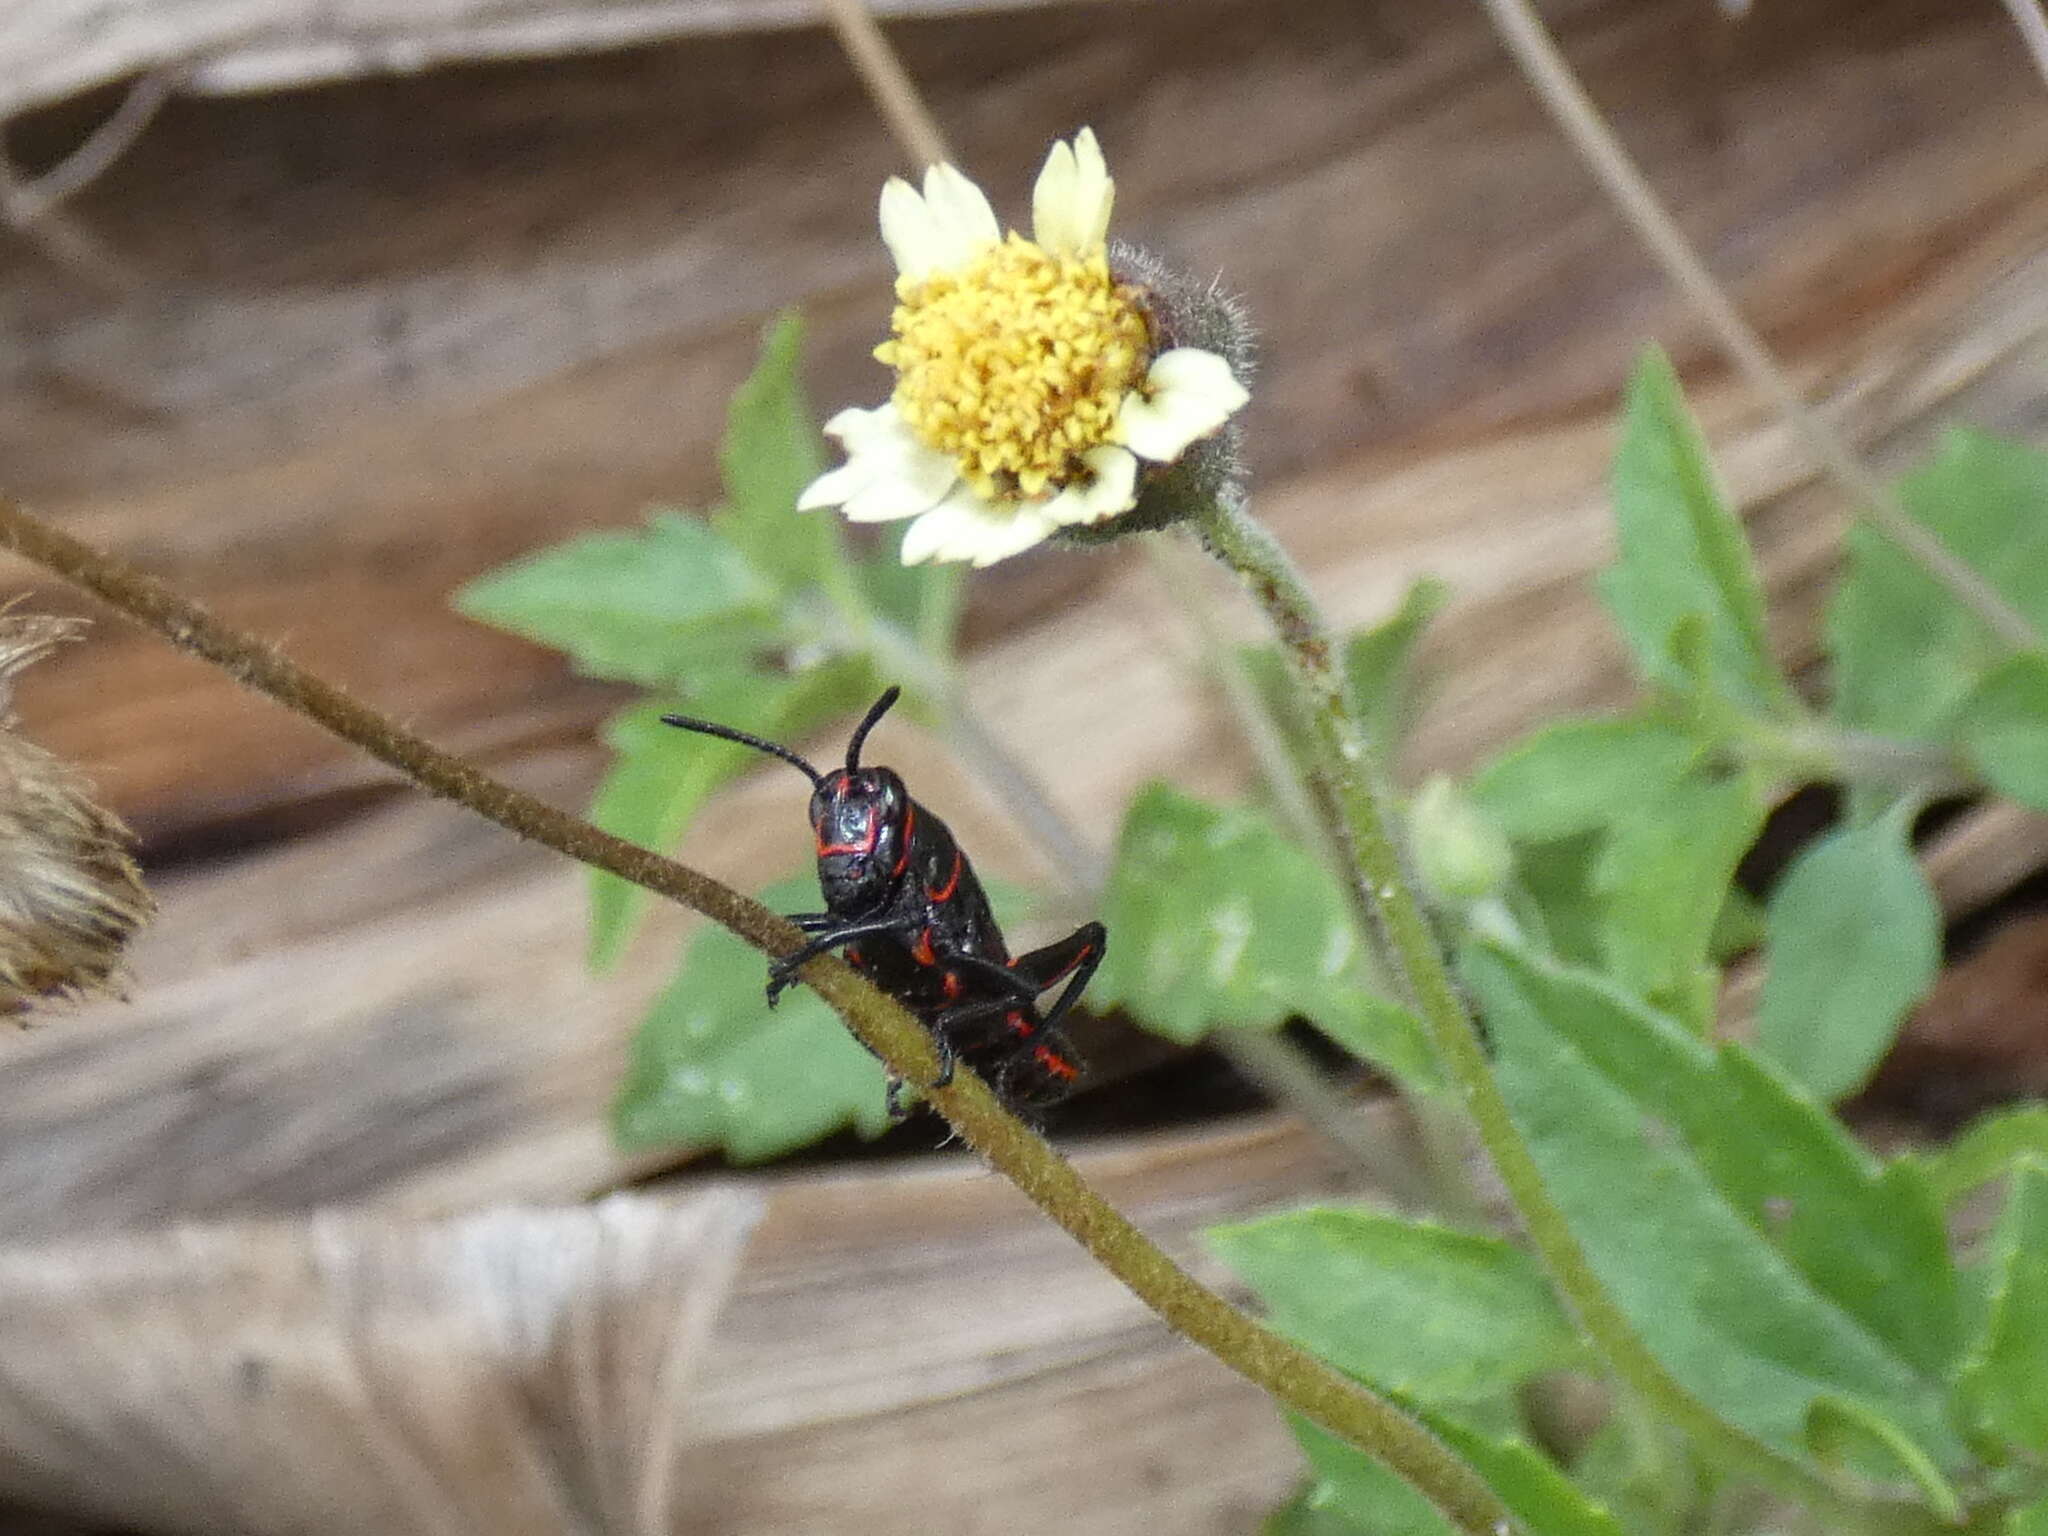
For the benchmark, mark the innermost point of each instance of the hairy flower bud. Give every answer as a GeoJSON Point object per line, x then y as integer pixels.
{"type": "Point", "coordinates": [70, 895]}
{"type": "Point", "coordinates": [1462, 854]}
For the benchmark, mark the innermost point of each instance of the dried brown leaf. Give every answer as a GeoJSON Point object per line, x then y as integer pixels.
{"type": "Point", "coordinates": [512, 1372]}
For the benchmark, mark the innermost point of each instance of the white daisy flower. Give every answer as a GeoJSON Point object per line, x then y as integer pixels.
{"type": "Point", "coordinates": [1029, 382]}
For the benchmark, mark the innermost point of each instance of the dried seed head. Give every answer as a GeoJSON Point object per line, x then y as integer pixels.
{"type": "Point", "coordinates": [70, 895]}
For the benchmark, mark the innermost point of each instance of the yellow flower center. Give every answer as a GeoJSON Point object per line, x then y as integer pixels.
{"type": "Point", "coordinates": [1015, 364]}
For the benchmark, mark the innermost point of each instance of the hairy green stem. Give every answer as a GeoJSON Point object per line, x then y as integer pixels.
{"type": "Point", "coordinates": [1343, 773]}
{"type": "Point", "coordinates": [1296, 1378]}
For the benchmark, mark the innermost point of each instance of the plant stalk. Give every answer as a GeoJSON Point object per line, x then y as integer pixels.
{"type": "Point", "coordinates": [1289, 1373]}
{"type": "Point", "coordinates": [1344, 773]}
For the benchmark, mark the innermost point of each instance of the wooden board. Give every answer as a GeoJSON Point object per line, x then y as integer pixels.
{"type": "Point", "coordinates": [399, 331]}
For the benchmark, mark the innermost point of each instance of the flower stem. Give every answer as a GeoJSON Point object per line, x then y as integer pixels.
{"type": "Point", "coordinates": [1295, 1377]}
{"type": "Point", "coordinates": [1343, 774]}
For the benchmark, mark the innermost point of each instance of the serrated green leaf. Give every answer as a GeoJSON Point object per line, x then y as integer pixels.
{"type": "Point", "coordinates": [1216, 921]}
{"type": "Point", "coordinates": [1906, 654]}
{"type": "Point", "coordinates": [658, 607]}
{"type": "Point", "coordinates": [714, 1066]}
{"type": "Point", "coordinates": [661, 776]}
{"type": "Point", "coordinates": [2004, 729]}
{"type": "Point", "coordinates": [1620, 1110]}
{"type": "Point", "coordinates": [1855, 942]}
{"type": "Point", "coordinates": [2004, 1385]}
{"type": "Point", "coordinates": [1849, 1434]}
{"type": "Point", "coordinates": [1683, 553]}
{"type": "Point", "coordinates": [1663, 877]}
{"type": "Point", "coordinates": [1869, 1238]}
{"type": "Point", "coordinates": [1577, 777]}
{"type": "Point", "coordinates": [1987, 1150]}
{"type": "Point", "coordinates": [1423, 1311]}
{"type": "Point", "coordinates": [770, 452]}
{"type": "Point", "coordinates": [1377, 672]}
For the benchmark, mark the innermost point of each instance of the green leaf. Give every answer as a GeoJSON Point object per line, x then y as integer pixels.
{"type": "Point", "coordinates": [1906, 654]}
{"type": "Point", "coordinates": [1841, 1433]}
{"type": "Point", "coordinates": [1683, 552]}
{"type": "Point", "coordinates": [1655, 1157]}
{"type": "Point", "coordinates": [1542, 1499]}
{"type": "Point", "coordinates": [662, 776]}
{"type": "Point", "coordinates": [1641, 1469]}
{"type": "Point", "coordinates": [713, 1066]}
{"type": "Point", "coordinates": [1576, 777]}
{"type": "Point", "coordinates": [1423, 1311]}
{"type": "Point", "coordinates": [2030, 1521]}
{"type": "Point", "coordinates": [1855, 942]}
{"type": "Point", "coordinates": [1553, 896]}
{"type": "Point", "coordinates": [919, 602]}
{"type": "Point", "coordinates": [1987, 1150]}
{"type": "Point", "coordinates": [1301, 1515]}
{"type": "Point", "coordinates": [2004, 1385]}
{"type": "Point", "coordinates": [1664, 878]}
{"type": "Point", "coordinates": [1219, 922]}
{"type": "Point", "coordinates": [657, 607]}
{"type": "Point", "coordinates": [771, 451]}
{"type": "Point", "coordinates": [1377, 664]}
{"type": "Point", "coordinates": [1351, 1486]}
{"type": "Point", "coordinates": [2005, 729]}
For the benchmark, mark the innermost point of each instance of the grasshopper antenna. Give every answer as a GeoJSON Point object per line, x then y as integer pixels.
{"type": "Point", "coordinates": [746, 739]}
{"type": "Point", "coordinates": [860, 732]}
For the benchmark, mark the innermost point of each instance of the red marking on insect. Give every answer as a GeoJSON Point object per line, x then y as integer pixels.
{"type": "Point", "coordinates": [952, 880]}
{"type": "Point", "coordinates": [866, 845]}
{"type": "Point", "coordinates": [1019, 1025]}
{"type": "Point", "coordinates": [923, 954]}
{"type": "Point", "coordinates": [951, 982]}
{"type": "Point", "coordinates": [909, 826]}
{"type": "Point", "coordinates": [1055, 1063]}
{"type": "Point", "coordinates": [853, 954]}
{"type": "Point", "coordinates": [1068, 969]}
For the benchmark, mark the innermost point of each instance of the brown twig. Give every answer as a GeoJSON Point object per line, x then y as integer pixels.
{"type": "Point", "coordinates": [895, 94]}
{"type": "Point", "coordinates": [1300, 1381]}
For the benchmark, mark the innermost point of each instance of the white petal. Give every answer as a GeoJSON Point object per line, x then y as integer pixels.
{"type": "Point", "coordinates": [910, 231]}
{"type": "Point", "coordinates": [1113, 488]}
{"type": "Point", "coordinates": [854, 427]}
{"type": "Point", "coordinates": [965, 527]}
{"type": "Point", "coordinates": [1192, 394]}
{"type": "Point", "coordinates": [1071, 203]}
{"type": "Point", "coordinates": [888, 472]}
{"type": "Point", "coordinates": [912, 485]}
{"type": "Point", "coordinates": [961, 216]}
